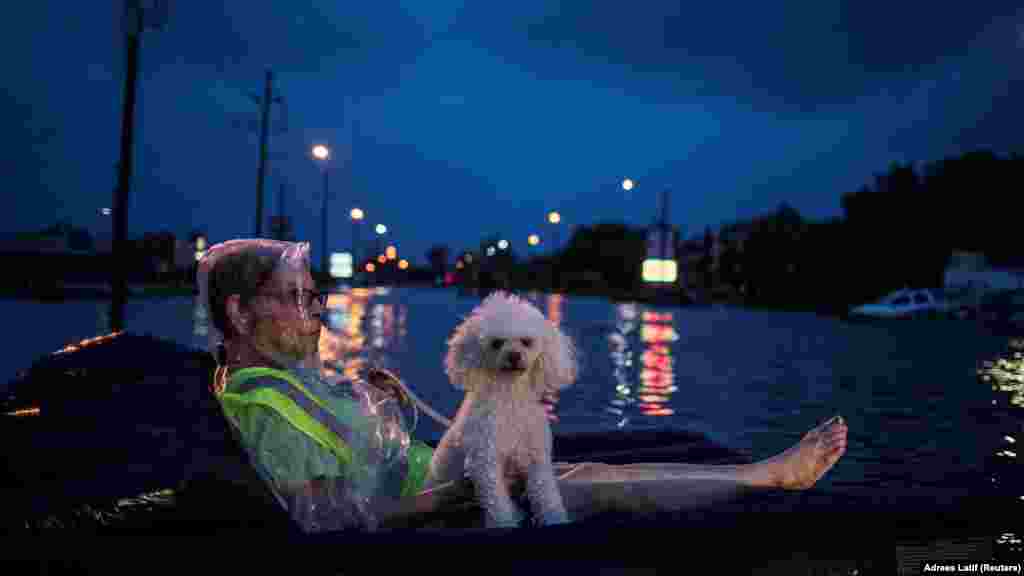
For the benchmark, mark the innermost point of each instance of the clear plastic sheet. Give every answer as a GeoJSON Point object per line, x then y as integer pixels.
{"type": "Point", "coordinates": [319, 490]}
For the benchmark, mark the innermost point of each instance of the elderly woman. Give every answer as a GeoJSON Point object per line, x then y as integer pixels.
{"type": "Point", "coordinates": [335, 456]}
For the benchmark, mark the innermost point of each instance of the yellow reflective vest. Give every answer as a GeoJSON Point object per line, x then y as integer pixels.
{"type": "Point", "coordinates": [343, 437]}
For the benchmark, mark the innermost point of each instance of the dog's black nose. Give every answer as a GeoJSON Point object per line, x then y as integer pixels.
{"type": "Point", "coordinates": [515, 357]}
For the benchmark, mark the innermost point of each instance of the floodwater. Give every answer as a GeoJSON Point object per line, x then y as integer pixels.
{"type": "Point", "coordinates": [934, 407]}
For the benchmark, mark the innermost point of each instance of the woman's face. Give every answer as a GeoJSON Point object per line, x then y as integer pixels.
{"type": "Point", "coordinates": [286, 315]}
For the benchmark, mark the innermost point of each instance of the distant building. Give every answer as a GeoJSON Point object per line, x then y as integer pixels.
{"type": "Point", "coordinates": [58, 238]}
{"type": "Point", "coordinates": [970, 271]}
{"type": "Point", "coordinates": [691, 254]}
{"type": "Point", "coordinates": [34, 243]}
{"type": "Point", "coordinates": [184, 254]}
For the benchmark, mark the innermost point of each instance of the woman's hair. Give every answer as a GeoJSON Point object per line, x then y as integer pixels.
{"type": "Point", "coordinates": [240, 273]}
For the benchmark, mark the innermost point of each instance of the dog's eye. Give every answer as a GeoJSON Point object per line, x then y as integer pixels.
{"type": "Point", "coordinates": [527, 342]}
{"type": "Point", "coordinates": [497, 343]}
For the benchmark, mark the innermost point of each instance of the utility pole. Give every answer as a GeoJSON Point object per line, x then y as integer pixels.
{"type": "Point", "coordinates": [280, 213]}
{"type": "Point", "coordinates": [323, 226]}
{"type": "Point", "coordinates": [135, 23]}
{"type": "Point", "coordinates": [666, 230]}
{"type": "Point", "coordinates": [265, 101]}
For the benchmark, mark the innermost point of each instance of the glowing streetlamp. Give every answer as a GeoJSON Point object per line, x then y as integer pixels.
{"type": "Point", "coordinates": [628, 184]}
{"type": "Point", "coordinates": [322, 155]}
{"type": "Point", "coordinates": [502, 244]}
{"type": "Point", "coordinates": [391, 252]}
{"type": "Point", "coordinates": [380, 229]}
{"type": "Point", "coordinates": [356, 215]}
{"type": "Point", "coordinates": [321, 152]}
{"type": "Point", "coordinates": [403, 264]}
{"type": "Point", "coordinates": [533, 240]}
{"type": "Point", "coordinates": [555, 218]}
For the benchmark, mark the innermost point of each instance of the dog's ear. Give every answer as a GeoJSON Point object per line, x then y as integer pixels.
{"type": "Point", "coordinates": [465, 355]}
{"type": "Point", "coordinates": [558, 366]}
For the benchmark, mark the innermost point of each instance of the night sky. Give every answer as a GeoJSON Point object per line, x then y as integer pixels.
{"type": "Point", "coordinates": [452, 121]}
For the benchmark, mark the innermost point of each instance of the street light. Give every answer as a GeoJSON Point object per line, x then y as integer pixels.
{"type": "Point", "coordinates": [321, 152]}
{"type": "Point", "coordinates": [554, 218]}
{"type": "Point", "coordinates": [533, 240]}
{"type": "Point", "coordinates": [502, 244]}
{"type": "Point", "coordinates": [322, 155]}
{"type": "Point", "coordinates": [356, 214]}
{"type": "Point", "coordinates": [380, 229]}
{"type": "Point", "coordinates": [627, 184]}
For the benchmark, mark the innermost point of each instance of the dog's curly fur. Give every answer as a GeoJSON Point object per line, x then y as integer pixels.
{"type": "Point", "coordinates": [506, 355]}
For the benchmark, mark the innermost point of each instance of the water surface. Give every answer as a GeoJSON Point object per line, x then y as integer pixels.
{"type": "Point", "coordinates": [923, 424]}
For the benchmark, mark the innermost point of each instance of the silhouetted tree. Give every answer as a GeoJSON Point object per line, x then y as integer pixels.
{"type": "Point", "coordinates": [437, 256]}
{"type": "Point", "coordinates": [612, 250]}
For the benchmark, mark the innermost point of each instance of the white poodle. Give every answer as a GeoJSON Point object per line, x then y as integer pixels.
{"type": "Point", "coordinates": [505, 355]}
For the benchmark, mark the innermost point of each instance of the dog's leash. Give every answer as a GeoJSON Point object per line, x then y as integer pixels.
{"type": "Point", "coordinates": [404, 395]}
{"type": "Point", "coordinates": [413, 399]}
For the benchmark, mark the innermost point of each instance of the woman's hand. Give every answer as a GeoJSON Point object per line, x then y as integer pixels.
{"type": "Point", "coordinates": [550, 402]}
{"type": "Point", "coordinates": [388, 383]}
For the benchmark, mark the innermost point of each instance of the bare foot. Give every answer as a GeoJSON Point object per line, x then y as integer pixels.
{"type": "Point", "coordinates": [802, 465]}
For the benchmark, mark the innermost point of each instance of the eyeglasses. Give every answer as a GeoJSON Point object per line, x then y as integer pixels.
{"type": "Point", "coordinates": [299, 297]}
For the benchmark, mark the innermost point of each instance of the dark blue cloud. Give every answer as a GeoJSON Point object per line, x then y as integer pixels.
{"type": "Point", "coordinates": [788, 54]}
{"type": "Point", "coordinates": [452, 121]}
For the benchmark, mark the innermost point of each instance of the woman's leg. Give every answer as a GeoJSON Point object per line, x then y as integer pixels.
{"type": "Point", "coordinates": [592, 488]}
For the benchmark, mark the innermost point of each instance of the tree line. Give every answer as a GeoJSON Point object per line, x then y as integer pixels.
{"type": "Point", "coordinates": [898, 230]}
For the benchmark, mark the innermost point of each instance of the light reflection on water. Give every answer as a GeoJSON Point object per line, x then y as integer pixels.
{"type": "Point", "coordinates": [621, 353]}
{"type": "Point", "coordinates": [555, 305]}
{"type": "Point", "coordinates": [1005, 374]}
{"type": "Point", "coordinates": [657, 377]}
{"type": "Point", "coordinates": [344, 343]}
{"type": "Point", "coordinates": [754, 381]}
{"type": "Point", "coordinates": [363, 327]}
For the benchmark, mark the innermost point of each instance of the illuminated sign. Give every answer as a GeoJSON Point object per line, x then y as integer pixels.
{"type": "Point", "coordinates": [660, 271]}
{"type": "Point", "coordinates": [341, 265]}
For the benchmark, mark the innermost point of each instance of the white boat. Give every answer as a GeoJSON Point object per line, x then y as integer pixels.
{"type": "Point", "coordinates": [905, 303]}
